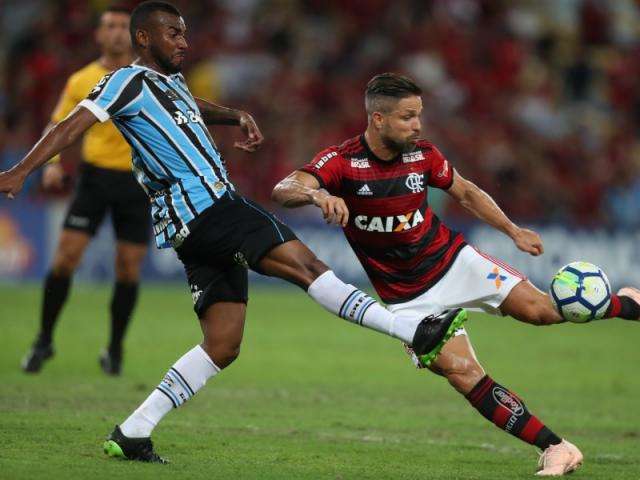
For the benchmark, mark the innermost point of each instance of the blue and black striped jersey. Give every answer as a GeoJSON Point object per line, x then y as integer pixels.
{"type": "Point", "coordinates": [174, 157]}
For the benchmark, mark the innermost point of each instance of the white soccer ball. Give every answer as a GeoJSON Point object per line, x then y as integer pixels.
{"type": "Point", "coordinates": [581, 292]}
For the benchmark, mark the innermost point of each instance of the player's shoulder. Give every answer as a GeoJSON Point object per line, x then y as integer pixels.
{"type": "Point", "coordinates": [343, 150]}
{"type": "Point", "coordinates": [425, 146]}
{"type": "Point", "coordinates": [425, 150]}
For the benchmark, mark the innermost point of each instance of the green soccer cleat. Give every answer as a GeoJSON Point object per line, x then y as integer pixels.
{"type": "Point", "coordinates": [141, 449]}
{"type": "Point", "coordinates": [434, 331]}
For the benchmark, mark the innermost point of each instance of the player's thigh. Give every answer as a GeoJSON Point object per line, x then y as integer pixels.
{"type": "Point", "coordinates": [528, 304]}
{"type": "Point", "coordinates": [128, 261]}
{"type": "Point", "coordinates": [459, 364]}
{"type": "Point", "coordinates": [71, 246]}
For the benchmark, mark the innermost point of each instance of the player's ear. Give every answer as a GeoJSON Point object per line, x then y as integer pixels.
{"type": "Point", "coordinates": [378, 120]}
{"type": "Point", "coordinates": [142, 38]}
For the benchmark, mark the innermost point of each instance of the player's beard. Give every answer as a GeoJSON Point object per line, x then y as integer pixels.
{"type": "Point", "coordinates": [165, 62]}
{"type": "Point", "coordinates": [404, 146]}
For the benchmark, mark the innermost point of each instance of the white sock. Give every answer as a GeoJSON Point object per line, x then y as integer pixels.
{"type": "Point", "coordinates": [188, 375]}
{"type": "Point", "coordinates": [354, 305]}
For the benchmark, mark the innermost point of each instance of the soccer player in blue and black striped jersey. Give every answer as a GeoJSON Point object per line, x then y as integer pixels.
{"type": "Point", "coordinates": [216, 232]}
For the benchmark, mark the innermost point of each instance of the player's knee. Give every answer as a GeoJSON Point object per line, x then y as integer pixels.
{"type": "Point", "coordinates": [127, 269]}
{"type": "Point", "coordinates": [65, 261]}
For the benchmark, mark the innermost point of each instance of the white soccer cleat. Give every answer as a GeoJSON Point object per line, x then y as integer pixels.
{"type": "Point", "coordinates": [559, 460]}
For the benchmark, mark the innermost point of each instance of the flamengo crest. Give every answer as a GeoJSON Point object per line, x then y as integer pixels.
{"type": "Point", "coordinates": [415, 182]}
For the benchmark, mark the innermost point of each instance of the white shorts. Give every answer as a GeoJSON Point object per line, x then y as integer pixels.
{"type": "Point", "coordinates": [475, 281]}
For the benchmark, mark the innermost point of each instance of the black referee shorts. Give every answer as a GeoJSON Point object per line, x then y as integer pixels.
{"type": "Point", "coordinates": [225, 240]}
{"type": "Point", "coordinates": [100, 190]}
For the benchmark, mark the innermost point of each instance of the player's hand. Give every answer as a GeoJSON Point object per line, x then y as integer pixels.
{"type": "Point", "coordinates": [334, 210]}
{"type": "Point", "coordinates": [11, 182]}
{"type": "Point", "coordinates": [254, 136]}
{"type": "Point", "coordinates": [53, 177]}
{"type": "Point", "coordinates": [528, 241]}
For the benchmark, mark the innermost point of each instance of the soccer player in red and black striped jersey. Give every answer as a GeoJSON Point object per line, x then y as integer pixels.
{"type": "Point", "coordinates": [375, 186]}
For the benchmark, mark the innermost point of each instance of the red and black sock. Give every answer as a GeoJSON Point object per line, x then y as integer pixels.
{"type": "Point", "coordinates": [623, 307]}
{"type": "Point", "coordinates": [505, 409]}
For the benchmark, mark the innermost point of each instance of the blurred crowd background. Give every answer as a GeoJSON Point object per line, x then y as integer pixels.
{"type": "Point", "coordinates": [537, 101]}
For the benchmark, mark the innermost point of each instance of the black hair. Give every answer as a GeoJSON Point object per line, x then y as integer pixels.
{"type": "Point", "coordinates": [388, 85]}
{"type": "Point", "coordinates": [142, 12]}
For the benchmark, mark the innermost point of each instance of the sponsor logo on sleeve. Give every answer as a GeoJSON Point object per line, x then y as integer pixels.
{"type": "Point", "coordinates": [444, 172]}
{"type": "Point", "coordinates": [324, 159]}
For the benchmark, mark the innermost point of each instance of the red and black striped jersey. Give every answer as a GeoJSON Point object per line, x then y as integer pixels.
{"type": "Point", "coordinates": [402, 245]}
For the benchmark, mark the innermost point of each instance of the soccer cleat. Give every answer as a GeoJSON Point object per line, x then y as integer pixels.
{"type": "Point", "coordinates": [559, 459]}
{"type": "Point", "coordinates": [141, 449]}
{"type": "Point", "coordinates": [33, 360]}
{"type": "Point", "coordinates": [434, 331]}
{"type": "Point", "coordinates": [111, 363]}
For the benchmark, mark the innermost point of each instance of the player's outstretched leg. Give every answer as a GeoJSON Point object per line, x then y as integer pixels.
{"type": "Point", "coordinates": [294, 262]}
{"type": "Point", "coordinates": [528, 304]}
{"type": "Point", "coordinates": [458, 363]}
{"type": "Point", "coordinates": [57, 284]}
{"type": "Point", "coordinates": [222, 325]}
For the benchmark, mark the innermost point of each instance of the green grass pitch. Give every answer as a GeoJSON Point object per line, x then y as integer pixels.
{"type": "Point", "coordinates": [310, 397]}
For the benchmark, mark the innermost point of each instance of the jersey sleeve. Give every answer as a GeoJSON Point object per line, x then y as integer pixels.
{"type": "Point", "coordinates": [118, 94]}
{"type": "Point", "coordinates": [440, 170]}
{"type": "Point", "coordinates": [327, 168]}
{"type": "Point", "coordinates": [71, 96]}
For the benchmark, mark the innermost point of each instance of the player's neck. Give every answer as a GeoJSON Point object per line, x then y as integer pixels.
{"type": "Point", "coordinates": [377, 146]}
{"type": "Point", "coordinates": [113, 62]}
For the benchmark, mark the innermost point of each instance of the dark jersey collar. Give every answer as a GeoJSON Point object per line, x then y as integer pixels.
{"type": "Point", "coordinates": [374, 157]}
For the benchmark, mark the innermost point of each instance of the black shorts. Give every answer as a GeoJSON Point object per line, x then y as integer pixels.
{"type": "Point", "coordinates": [225, 240]}
{"type": "Point", "coordinates": [100, 190]}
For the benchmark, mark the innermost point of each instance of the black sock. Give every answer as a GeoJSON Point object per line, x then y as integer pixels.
{"type": "Point", "coordinates": [123, 302]}
{"type": "Point", "coordinates": [55, 293]}
{"type": "Point", "coordinates": [509, 413]}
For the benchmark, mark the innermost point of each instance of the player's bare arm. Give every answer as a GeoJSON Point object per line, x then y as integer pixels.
{"type": "Point", "coordinates": [486, 209]}
{"type": "Point", "coordinates": [213, 114]}
{"type": "Point", "coordinates": [61, 136]}
{"type": "Point", "coordinates": [300, 188]}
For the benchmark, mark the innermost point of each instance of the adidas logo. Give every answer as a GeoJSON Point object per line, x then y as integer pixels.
{"type": "Point", "coordinates": [365, 190]}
